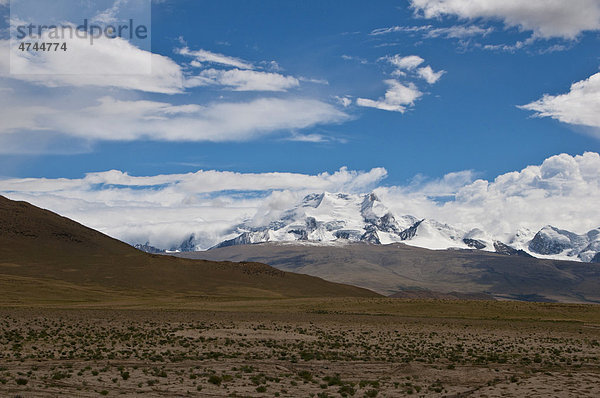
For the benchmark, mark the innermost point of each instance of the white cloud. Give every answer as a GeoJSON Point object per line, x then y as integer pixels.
{"type": "Point", "coordinates": [397, 97]}
{"type": "Point", "coordinates": [107, 63]}
{"type": "Point", "coordinates": [563, 191]}
{"type": "Point", "coordinates": [315, 138]}
{"type": "Point", "coordinates": [78, 90]}
{"type": "Point", "coordinates": [132, 120]}
{"type": "Point", "coordinates": [353, 58]}
{"type": "Point", "coordinates": [394, 29]}
{"type": "Point", "coordinates": [546, 18]}
{"type": "Point", "coordinates": [401, 95]}
{"type": "Point", "coordinates": [204, 56]}
{"type": "Point", "coordinates": [345, 101]}
{"type": "Point", "coordinates": [409, 62]}
{"type": "Point", "coordinates": [580, 106]}
{"type": "Point", "coordinates": [243, 80]}
{"type": "Point", "coordinates": [313, 80]}
{"type": "Point", "coordinates": [459, 32]}
{"type": "Point", "coordinates": [429, 75]}
{"type": "Point", "coordinates": [428, 31]}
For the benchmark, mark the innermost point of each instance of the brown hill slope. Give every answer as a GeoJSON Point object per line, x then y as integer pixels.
{"type": "Point", "coordinates": [41, 251]}
{"type": "Point", "coordinates": [388, 269]}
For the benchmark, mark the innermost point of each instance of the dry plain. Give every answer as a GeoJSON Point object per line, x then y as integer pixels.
{"type": "Point", "coordinates": [301, 348]}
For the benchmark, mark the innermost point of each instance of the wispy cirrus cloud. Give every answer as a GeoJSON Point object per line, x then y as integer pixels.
{"type": "Point", "coordinates": [429, 31]}
{"type": "Point", "coordinates": [243, 80]}
{"type": "Point", "coordinates": [236, 74]}
{"type": "Point", "coordinates": [203, 56]}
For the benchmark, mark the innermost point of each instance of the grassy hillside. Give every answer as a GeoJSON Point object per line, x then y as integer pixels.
{"type": "Point", "coordinates": [53, 258]}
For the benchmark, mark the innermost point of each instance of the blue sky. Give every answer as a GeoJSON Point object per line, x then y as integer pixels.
{"type": "Point", "coordinates": [481, 114]}
{"type": "Point", "coordinates": [469, 119]}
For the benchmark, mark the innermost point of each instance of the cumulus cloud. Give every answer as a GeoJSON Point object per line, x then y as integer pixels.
{"type": "Point", "coordinates": [397, 97]}
{"type": "Point", "coordinates": [401, 95]}
{"type": "Point", "coordinates": [563, 191]}
{"type": "Point", "coordinates": [545, 18]}
{"type": "Point", "coordinates": [580, 106]}
{"type": "Point", "coordinates": [429, 75]}
{"type": "Point", "coordinates": [408, 62]}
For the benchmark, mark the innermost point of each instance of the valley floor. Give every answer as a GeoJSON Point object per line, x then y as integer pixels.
{"type": "Point", "coordinates": [305, 348]}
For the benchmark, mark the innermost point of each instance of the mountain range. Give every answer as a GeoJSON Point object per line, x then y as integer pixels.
{"type": "Point", "coordinates": [339, 219]}
{"type": "Point", "coordinates": [407, 271]}
{"type": "Point", "coordinates": [49, 259]}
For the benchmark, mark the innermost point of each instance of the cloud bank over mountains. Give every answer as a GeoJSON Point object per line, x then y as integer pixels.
{"type": "Point", "coordinates": [562, 191]}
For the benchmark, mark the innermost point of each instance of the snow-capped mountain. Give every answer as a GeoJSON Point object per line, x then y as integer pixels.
{"type": "Point", "coordinates": [551, 241]}
{"type": "Point", "coordinates": [329, 218]}
{"type": "Point", "coordinates": [339, 218]}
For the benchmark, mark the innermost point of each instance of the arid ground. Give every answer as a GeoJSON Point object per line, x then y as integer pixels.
{"type": "Point", "coordinates": [303, 348]}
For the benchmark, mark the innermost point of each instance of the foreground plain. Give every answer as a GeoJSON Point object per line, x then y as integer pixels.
{"type": "Point", "coordinates": [301, 347]}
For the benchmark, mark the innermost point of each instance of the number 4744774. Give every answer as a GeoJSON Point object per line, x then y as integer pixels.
{"type": "Point", "coordinates": [24, 46]}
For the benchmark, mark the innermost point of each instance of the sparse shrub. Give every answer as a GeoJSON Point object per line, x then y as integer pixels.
{"type": "Point", "coordinates": [60, 375]}
{"type": "Point", "coordinates": [216, 380]}
{"type": "Point", "coordinates": [333, 380]}
{"type": "Point", "coordinates": [346, 390]}
{"type": "Point", "coordinates": [305, 375]}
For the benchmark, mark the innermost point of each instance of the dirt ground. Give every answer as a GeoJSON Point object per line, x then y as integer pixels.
{"type": "Point", "coordinates": [158, 353]}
